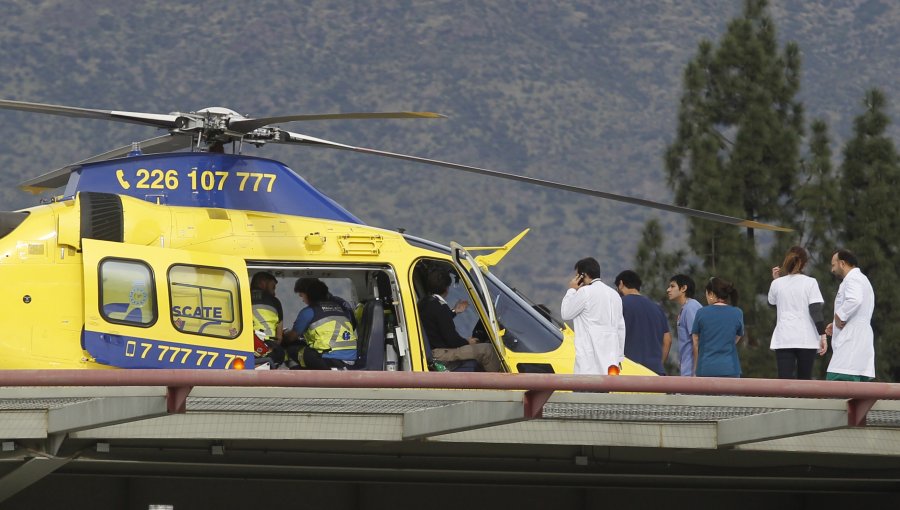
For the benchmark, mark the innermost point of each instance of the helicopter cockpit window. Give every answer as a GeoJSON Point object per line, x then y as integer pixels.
{"type": "Point", "coordinates": [204, 301]}
{"type": "Point", "coordinates": [127, 292]}
{"type": "Point", "coordinates": [527, 327]}
{"type": "Point", "coordinates": [524, 326]}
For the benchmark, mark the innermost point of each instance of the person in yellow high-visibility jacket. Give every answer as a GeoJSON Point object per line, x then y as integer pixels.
{"type": "Point", "coordinates": [324, 334]}
{"type": "Point", "coordinates": [268, 316]}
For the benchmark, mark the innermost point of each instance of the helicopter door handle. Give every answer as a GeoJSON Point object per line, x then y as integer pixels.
{"type": "Point", "coordinates": [120, 175]}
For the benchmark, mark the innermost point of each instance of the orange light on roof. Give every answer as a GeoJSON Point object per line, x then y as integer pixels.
{"type": "Point", "coordinates": [612, 370]}
{"type": "Point", "coordinates": [238, 364]}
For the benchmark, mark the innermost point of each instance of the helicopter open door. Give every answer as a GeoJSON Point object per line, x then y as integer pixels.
{"type": "Point", "coordinates": [469, 268]}
{"type": "Point", "coordinates": [149, 307]}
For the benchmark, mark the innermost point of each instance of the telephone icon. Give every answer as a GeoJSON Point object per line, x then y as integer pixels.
{"type": "Point", "coordinates": [120, 175]}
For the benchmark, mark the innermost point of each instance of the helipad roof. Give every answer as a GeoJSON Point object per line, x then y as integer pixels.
{"type": "Point", "coordinates": [471, 436]}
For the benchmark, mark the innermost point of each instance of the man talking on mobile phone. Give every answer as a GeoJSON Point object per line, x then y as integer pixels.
{"type": "Point", "coordinates": [596, 311]}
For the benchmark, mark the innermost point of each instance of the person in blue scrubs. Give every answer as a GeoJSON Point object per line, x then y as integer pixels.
{"type": "Point", "coordinates": [717, 329]}
{"type": "Point", "coordinates": [681, 290]}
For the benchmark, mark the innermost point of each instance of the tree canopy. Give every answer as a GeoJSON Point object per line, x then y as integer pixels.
{"type": "Point", "coordinates": [737, 151]}
{"type": "Point", "coordinates": [869, 219]}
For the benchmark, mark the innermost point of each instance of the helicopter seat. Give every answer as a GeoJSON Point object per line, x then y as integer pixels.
{"type": "Point", "coordinates": [466, 365]}
{"type": "Point", "coordinates": [119, 311]}
{"type": "Point", "coordinates": [370, 337]}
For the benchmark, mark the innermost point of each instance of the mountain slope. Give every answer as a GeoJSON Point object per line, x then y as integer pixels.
{"type": "Point", "coordinates": [572, 91]}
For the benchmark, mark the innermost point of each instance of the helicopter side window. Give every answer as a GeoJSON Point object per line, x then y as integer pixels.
{"type": "Point", "coordinates": [204, 301]}
{"type": "Point", "coordinates": [373, 294]}
{"type": "Point", "coordinates": [465, 323]}
{"type": "Point", "coordinates": [127, 292]}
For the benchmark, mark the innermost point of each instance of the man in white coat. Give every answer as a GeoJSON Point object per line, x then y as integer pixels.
{"type": "Point", "coordinates": [852, 339]}
{"type": "Point", "coordinates": [596, 310]}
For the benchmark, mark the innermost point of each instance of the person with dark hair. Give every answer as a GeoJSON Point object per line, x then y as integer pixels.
{"type": "Point", "coordinates": [852, 338]}
{"type": "Point", "coordinates": [268, 317]}
{"type": "Point", "coordinates": [326, 326]}
{"type": "Point", "coordinates": [681, 290]}
{"type": "Point", "coordinates": [716, 331]}
{"type": "Point", "coordinates": [596, 311]}
{"type": "Point", "coordinates": [799, 327]}
{"type": "Point", "coordinates": [447, 345]}
{"type": "Point", "coordinates": [647, 338]}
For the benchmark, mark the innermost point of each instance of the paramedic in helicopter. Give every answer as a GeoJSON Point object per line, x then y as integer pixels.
{"type": "Point", "coordinates": [324, 335]}
{"type": "Point", "coordinates": [268, 316]}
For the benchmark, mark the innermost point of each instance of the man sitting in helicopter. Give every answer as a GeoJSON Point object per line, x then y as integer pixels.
{"type": "Point", "coordinates": [324, 335]}
{"type": "Point", "coordinates": [447, 345]}
{"type": "Point", "coordinates": [268, 317]}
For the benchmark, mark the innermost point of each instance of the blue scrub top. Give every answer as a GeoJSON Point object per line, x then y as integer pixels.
{"type": "Point", "coordinates": [685, 342]}
{"type": "Point", "coordinates": [717, 327]}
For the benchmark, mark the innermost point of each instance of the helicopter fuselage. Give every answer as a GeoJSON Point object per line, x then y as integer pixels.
{"type": "Point", "coordinates": [167, 286]}
{"type": "Point", "coordinates": [145, 262]}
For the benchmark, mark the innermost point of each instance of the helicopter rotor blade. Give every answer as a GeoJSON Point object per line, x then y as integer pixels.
{"type": "Point", "coordinates": [57, 178]}
{"type": "Point", "coordinates": [177, 139]}
{"type": "Point", "coordinates": [296, 138]}
{"type": "Point", "coordinates": [145, 119]}
{"type": "Point", "coordinates": [248, 125]}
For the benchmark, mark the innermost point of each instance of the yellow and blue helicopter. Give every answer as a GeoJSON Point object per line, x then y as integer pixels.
{"type": "Point", "coordinates": [144, 259]}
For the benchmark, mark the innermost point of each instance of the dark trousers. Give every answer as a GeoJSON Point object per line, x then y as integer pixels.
{"type": "Point", "coordinates": [795, 363]}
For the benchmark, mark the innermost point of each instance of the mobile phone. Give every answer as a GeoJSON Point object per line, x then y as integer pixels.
{"type": "Point", "coordinates": [580, 279]}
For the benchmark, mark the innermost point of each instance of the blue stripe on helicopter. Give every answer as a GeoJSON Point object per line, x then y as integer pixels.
{"type": "Point", "coordinates": [202, 179]}
{"type": "Point", "coordinates": [132, 352]}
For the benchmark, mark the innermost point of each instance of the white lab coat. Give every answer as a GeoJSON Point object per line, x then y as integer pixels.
{"type": "Point", "coordinates": [596, 311]}
{"type": "Point", "coordinates": [854, 344]}
{"type": "Point", "coordinates": [794, 328]}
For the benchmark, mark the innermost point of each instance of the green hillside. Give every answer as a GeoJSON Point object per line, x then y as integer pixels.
{"type": "Point", "coordinates": [582, 92]}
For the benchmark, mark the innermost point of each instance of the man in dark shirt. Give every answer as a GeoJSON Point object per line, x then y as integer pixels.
{"type": "Point", "coordinates": [437, 321]}
{"type": "Point", "coordinates": [647, 338]}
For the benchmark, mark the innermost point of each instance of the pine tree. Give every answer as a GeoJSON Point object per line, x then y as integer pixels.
{"type": "Point", "coordinates": [869, 215]}
{"type": "Point", "coordinates": [736, 152]}
{"type": "Point", "coordinates": [655, 265]}
{"type": "Point", "coordinates": [817, 199]}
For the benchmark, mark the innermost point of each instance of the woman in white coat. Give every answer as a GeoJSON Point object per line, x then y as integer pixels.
{"type": "Point", "coordinates": [596, 310]}
{"type": "Point", "coordinates": [800, 326]}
